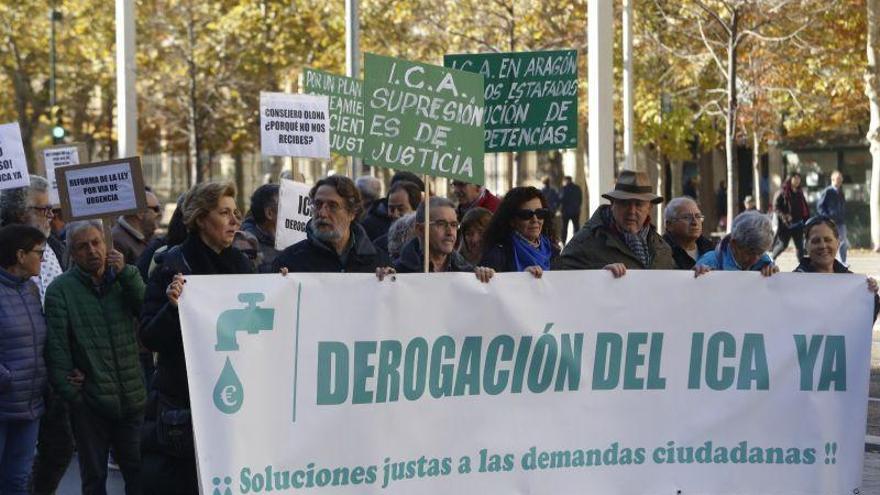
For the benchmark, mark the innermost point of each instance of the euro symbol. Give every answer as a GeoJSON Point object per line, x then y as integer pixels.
{"type": "Point", "coordinates": [228, 395]}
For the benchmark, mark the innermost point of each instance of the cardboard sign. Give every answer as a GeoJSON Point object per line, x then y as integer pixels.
{"type": "Point", "coordinates": [294, 212]}
{"type": "Point", "coordinates": [13, 164]}
{"type": "Point", "coordinates": [531, 98]}
{"type": "Point", "coordinates": [346, 109]}
{"type": "Point", "coordinates": [423, 118]}
{"type": "Point", "coordinates": [101, 189]}
{"type": "Point", "coordinates": [59, 156]}
{"type": "Point", "coordinates": [294, 125]}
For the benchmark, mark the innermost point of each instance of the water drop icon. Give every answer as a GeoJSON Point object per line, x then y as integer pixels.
{"type": "Point", "coordinates": [228, 392]}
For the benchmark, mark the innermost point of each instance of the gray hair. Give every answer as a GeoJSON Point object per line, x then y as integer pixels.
{"type": "Point", "coordinates": [74, 228]}
{"type": "Point", "coordinates": [752, 230]}
{"type": "Point", "coordinates": [369, 186]}
{"type": "Point", "coordinates": [400, 232]}
{"type": "Point", "coordinates": [674, 205]}
{"type": "Point", "coordinates": [14, 202]}
{"type": "Point", "coordinates": [436, 202]}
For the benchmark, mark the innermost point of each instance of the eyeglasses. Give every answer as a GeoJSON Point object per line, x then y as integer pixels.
{"type": "Point", "coordinates": [525, 214]}
{"type": "Point", "coordinates": [443, 224]}
{"type": "Point", "coordinates": [45, 210]}
{"type": "Point", "coordinates": [38, 251]}
{"type": "Point", "coordinates": [694, 218]}
{"type": "Point", "coordinates": [318, 204]}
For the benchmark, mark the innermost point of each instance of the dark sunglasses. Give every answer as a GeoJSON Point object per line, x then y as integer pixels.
{"type": "Point", "coordinates": [541, 213]}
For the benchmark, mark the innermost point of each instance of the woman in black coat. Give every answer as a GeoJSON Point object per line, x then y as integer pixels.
{"type": "Point", "coordinates": [211, 218]}
{"type": "Point", "coordinates": [520, 236]}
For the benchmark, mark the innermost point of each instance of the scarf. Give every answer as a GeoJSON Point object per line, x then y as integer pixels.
{"type": "Point", "coordinates": [637, 243]}
{"type": "Point", "coordinates": [526, 255]}
{"type": "Point", "coordinates": [202, 260]}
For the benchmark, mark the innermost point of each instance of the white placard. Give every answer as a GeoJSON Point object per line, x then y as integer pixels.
{"type": "Point", "coordinates": [58, 157]}
{"type": "Point", "coordinates": [13, 163]}
{"type": "Point", "coordinates": [575, 383]}
{"type": "Point", "coordinates": [100, 191]}
{"type": "Point", "coordinates": [294, 125]}
{"type": "Point", "coordinates": [294, 212]}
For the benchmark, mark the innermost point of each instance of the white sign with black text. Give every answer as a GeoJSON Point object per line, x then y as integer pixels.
{"type": "Point", "coordinates": [100, 191]}
{"type": "Point", "coordinates": [294, 125]}
{"type": "Point", "coordinates": [294, 212]}
{"type": "Point", "coordinates": [58, 157]}
{"type": "Point", "coordinates": [13, 164]}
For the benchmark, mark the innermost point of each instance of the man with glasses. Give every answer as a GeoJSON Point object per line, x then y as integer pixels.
{"type": "Point", "coordinates": [442, 237]}
{"type": "Point", "coordinates": [334, 242]}
{"type": "Point", "coordinates": [684, 232]}
{"type": "Point", "coordinates": [132, 233]}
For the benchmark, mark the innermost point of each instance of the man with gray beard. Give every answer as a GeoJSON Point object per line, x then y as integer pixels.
{"type": "Point", "coordinates": [335, 241]}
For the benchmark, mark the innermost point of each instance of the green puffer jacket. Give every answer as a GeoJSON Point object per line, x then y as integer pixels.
{"type": "Point", "coordinates": [596, 246]}
{"type": "Point", "coordinates": [94, 332]}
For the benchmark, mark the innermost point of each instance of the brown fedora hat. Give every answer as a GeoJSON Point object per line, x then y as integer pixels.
{"type": "Point", "coordinates": [633, 185]}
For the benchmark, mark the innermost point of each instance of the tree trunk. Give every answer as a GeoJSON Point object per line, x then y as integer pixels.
{"type": "Point", "coordinates": [238, 158]}
{"type": "Point", "coordinates": [872, 90]}
{"type": "Point", "coordinates": [730, 129]}
{"type": "Point", "coordinates": [756, 170]}
{"type": "Point", "coordinates": [196, 172]}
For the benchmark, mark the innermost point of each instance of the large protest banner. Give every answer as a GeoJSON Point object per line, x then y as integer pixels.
{"type": "Point", "coordinates": [13, 163]}
{"type": "Point", "coordinates": [61, 155]}
{"type": "Point", "coordinates": [575, 383]}
{"type": "Point", "coordinates": [346, 109]}
{"type": "Point", "coordinates": [531, 98]}
{"type": "Point", "coordinates": [423, 118]}
{"type": "Point", "coordinates": [294, 125]}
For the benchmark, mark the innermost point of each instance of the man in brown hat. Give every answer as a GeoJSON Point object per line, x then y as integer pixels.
{"type": "Point", "coordinates": [620, 235]}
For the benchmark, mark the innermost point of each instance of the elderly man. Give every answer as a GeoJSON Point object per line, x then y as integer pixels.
{"type": "Point", "coordinates": [442, 236]}
{"type": "Point", "coordinates": [90, 311]}
{"type": "Point", "coordinates": [684, 232]}
{"type": "Point", "coordinates": [471, 196]}
{"type": "Point", "coordinates": [262, 222]}
{"type": "Point", "coordinates": [379, 217]}
{"type": "Point", "coordinates": [620, 235]}
{"type": "Point", "coordinates": [335, 242]}
{"type": "Point", "coordinates": [132, 233]}
{"type": "Point", "coordinates": [744, 249]}
{"type": "Point", "coordinates": [832, 204]}
{"type": "Point", "coordinates": [370, 189]}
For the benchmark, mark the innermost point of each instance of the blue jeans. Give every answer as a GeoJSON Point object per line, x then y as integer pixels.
{"type": "Point", "coordinates": [18, 441]}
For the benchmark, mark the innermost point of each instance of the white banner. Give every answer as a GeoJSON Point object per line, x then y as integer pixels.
{"type": "Point", "coordinates": [294, 125]}
{"type": "Point", "coordinates": [294, 212]}
{"type": "Point", "coordinates": [13, 163]}
{"type": "Point", "coordinates": [575, 383]}
{"type": "Point", "coordinates": [54, 157]}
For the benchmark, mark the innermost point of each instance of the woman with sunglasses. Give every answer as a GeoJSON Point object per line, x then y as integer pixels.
{"type": "Point", "coordinates": [822, 241]}
{"type": "Point", "coordinates": [520, 236]}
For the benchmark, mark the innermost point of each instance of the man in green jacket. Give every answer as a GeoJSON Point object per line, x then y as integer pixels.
{"type": "Point", "coordinates": [620, 236]}
{"type": "Point", "coordinates": [90, 311]}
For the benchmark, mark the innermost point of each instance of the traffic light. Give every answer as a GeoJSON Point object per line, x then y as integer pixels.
{"type": "Point", "coordinates": [58, 131]}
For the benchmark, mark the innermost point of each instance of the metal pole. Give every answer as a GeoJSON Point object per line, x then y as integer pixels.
{"type": "Point", "coordinates": [628, 132]}
{"type": "Point", "coordinates": [54, 16]}
{"type": "Point", "coordinates": [600, 37]}
{"type": "Point", "coordinates": [126, 104]}
{"type": "Point", "coordinates": [352, 57]}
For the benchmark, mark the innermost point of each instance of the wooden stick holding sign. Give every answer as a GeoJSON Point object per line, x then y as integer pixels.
{"type": "Point", "coordinates": [427, 246]}
{"type": "Point", "coordinates": [102, 190]}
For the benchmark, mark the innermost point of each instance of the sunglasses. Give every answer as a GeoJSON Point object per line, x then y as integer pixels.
{"type": "Point", "coordinates": [541, 213]}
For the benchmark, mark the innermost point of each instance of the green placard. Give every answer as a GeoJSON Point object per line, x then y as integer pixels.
{"type": "Point", "coordinates": [346, 109]}
{"type": "Point", "coordinates": [423, 118]}
{"type": "Point", "coordinates": [531, 98]}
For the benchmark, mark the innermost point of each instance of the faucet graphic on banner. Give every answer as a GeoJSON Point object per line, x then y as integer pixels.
{"type": "Point", "coordinates": [229, 391]}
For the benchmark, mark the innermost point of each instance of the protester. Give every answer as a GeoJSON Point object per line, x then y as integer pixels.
{"type": "Point", "coordinates": [744, 249]}
{"type": "Point", "coordinates": [520, 237]}
{"type": "Point", "coordinates": [334, 242]}
{"type": "Point", "coordinates": [133, 233]}
{"type": "Point", "coordinates": [250, 247]}
{"type": "Point", "coordinates": [550, 194]}
{"type": "Point", "coordinates": [22, 342]}
{"type": "Point", "coordinates": [749, 203]}
{"type": "Point", "coordinates": [56, 225]}
{"type": "Point", "coordinates": [442, 236]}
{"type": "Point", "coordinates": [822, 242]}
{"type": "Point", "coordinates": [620, 236]}
{"type": "Point", "coordinates": [684, 232]}
{"type": "Point", "coordinates": [473, 229]}
{"type": "Point", "coordinates": [211, 218]}
{"type": "Point", "coordinates": [377, 219]}
{"type": "Point", "coordinates": [370, 189]}
{"type": "Point", "coordinates": [403, 198]}
{"type": "Point", "coordinates": [472, 196]}
{"type": "Point", "coordinates": [90, 310]}
{"type": "Point", "coordinates": [153, 254]}
{"type": "Point", "coordinates": [792, 211]}
{"type": "Point", "coordinates": [571, 200]}
{"type": "Point", "coordinates": [832, 204]}
{"type": "Point", "coordinates": [262, 222]}
{"type": "Point", "coordinates": [401, 231]}
{"type": "Point", "coordinates": [721, 205]}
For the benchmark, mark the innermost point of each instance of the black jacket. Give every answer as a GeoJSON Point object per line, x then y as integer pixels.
{"type": "Point", "coordinates": [160, 323]}
{"type": "Point", "coordinates": [313, 256]}
{"type": "Point", "coordinates": [806, 266]}
{"type": "Point", "coordinates": [377, 221]}
{"type": "Point", "coordinates": [571, 199]}
{"type": "Point", "coordinates": [500, 257]}
{"type": "Point", "coordinates": [682, 260]}
{"type": "Point", "coordinates": [412, 260]}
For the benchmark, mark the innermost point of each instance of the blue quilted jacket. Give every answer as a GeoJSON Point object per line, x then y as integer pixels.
{"type": "Point", "coordinates": [22, 340]}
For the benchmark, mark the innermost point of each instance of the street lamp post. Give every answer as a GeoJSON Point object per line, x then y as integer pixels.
{"type": "Point", "coordinates": [57, 124]}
